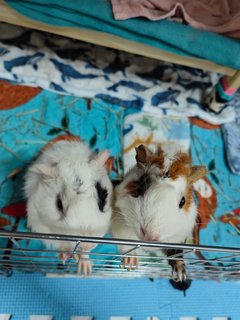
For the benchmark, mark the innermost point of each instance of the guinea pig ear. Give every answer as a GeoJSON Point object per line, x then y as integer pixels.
{"type": "Point", "coordinates": [142, 154]}
{"type": "Point", "coordinates": [101, 158]}
{"type": "Point", "coordinates": [46, 171]}
{"type": "Point", "coordinates": [197, 172]}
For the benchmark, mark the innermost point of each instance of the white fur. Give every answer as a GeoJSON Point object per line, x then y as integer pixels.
{"type": "Point", "coordinates": [71, 170]}
{"type": "Point", "coordinates": [203, 188]}
{"type": "Point", "coordinates": [158, 210]}
{"type": "Point", "coordinates": [170, 151]}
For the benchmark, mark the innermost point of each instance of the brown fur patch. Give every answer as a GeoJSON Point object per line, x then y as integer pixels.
{"type": "Point", "coordinates": [137, 188]}
{"type": "Point", "coordinates": [188, 198]}
{"type": "Point", "coordinates": [197, 172]}
{"type": "Point", "coordinates": [157, 158]}
{"type": "Point", "coordinates": [63, 137]}
{"type": "Point", "coordinates": [180, 167]}
{"type": "Point", "coordinates": [132, 188]}
{"type": "Point", "coordinates": [144, 156]}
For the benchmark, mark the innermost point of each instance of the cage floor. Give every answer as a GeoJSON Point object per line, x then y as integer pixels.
{"type": "Point", "coordinates": [23, 295]}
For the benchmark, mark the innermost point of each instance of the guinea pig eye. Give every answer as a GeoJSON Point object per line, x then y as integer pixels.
{"type": "Point", "coordinates": [59, 204]}
{"type": "Point", "coordinates": [166, 175]}
{"type": "Point", "coordinates": [182, 202]}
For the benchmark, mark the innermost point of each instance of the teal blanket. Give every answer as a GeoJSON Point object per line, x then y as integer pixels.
{"type": "Point", "coordinates": [166, 35]}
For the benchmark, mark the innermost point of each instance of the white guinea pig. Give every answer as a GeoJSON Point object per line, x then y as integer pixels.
{"type": "Point", "coordinates": [69, 192]}
{"type": "Point", "coordinates": [155, 203]}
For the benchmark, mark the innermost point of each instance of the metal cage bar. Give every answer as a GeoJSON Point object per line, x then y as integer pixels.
{"type": "Point", "coordinates": [109, 264]}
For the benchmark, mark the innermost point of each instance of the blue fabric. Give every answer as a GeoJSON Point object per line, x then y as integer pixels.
{"type": "Point", "coordinates": [23, 295]}
{"type": "Point", "coordinates": [219, 213]}
{"type": "Point", "coordinates": [231, 134]}
{"type": "Point", "coordinates": [71, 67]}
{"type": "Point", "coordinates": [166, 35]}
{"type": "Point", "coordinates": [29, 127]}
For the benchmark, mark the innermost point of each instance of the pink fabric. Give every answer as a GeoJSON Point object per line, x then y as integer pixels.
{"type": "Point", "coordinates": [220, 16]}
{"type": "Point", "coordinates": [228, 90]}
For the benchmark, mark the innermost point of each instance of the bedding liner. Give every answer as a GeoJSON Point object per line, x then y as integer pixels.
{"type": "Point", "coordinates": [166, 35]}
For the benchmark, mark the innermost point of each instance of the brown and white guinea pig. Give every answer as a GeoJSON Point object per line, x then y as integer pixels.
{"type": "Point", "coordinates": [69, 192]}
{"type": "Point", "coordinates": [155, 201]}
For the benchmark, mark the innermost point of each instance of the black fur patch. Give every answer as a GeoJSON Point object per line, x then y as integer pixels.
{"type": "Point", "coordinates": [102, 196]}
{"type": "Point", "coordinates": [139, 187]}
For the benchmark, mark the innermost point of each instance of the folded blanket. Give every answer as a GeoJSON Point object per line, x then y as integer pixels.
{"type": "Point", "coordinates": [222, 16]}
{"type": "Point", "coordinates": [169, 36]}
{"type": "Point", "coordinates": [75, 68]}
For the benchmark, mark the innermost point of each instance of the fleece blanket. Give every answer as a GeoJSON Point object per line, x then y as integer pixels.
{"type": "Point", "coordinates": [217, 194]}
{"type": "Point", "coordinates": [166, 35]}
{"type": "Point", "coordinates": [222, 16]}
{"type": "Point", "coordinates": [75, 68]}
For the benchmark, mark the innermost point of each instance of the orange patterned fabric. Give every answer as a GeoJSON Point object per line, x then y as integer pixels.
{"type": "Point", "coordinates": [203, 124]}
{"type": "Point", "coordinates": [12, 96]}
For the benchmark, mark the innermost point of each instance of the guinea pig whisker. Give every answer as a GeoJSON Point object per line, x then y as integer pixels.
{"type": "Point", "coordinates": [65, 219]}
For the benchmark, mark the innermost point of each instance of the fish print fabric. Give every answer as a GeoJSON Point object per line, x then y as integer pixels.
{"type": "Point", "coordinates": [76, 68]}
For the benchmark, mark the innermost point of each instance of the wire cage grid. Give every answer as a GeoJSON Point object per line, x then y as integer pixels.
{"type": "Point", "coordinates": [108, 263]}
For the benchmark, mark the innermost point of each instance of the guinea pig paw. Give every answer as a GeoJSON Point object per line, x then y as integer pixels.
{"type": "Point", "coordinates": [84, 265]}
{"type": "Point", "coordinates": [129, 263]}
{"type": "Point", "coordinates": [179, 271]}
{"type": "Point", "coordinates": [64, 257]}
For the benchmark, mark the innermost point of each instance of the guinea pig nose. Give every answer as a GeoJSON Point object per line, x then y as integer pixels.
{"type": "Point", "coordinates": [152, 237]}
